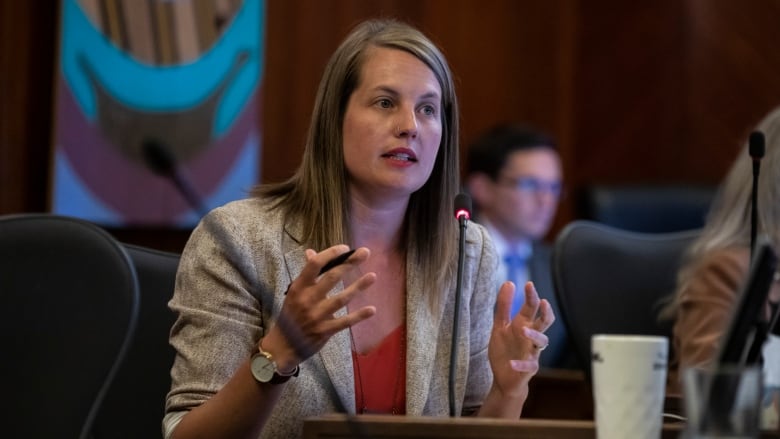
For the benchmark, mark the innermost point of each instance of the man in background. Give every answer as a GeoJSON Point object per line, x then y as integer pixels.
{"type": "Point", "coordinates": [514, 176]}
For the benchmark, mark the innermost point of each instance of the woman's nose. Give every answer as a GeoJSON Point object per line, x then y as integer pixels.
{"type": "Point", "coordinates": [407, 126]}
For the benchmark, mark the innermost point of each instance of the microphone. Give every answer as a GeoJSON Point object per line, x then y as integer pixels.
{"type": "Point", "coordinates": [741, 344]}
{"type": "Point", "coordinates": [756, 150]}
{"type": "Point", "coordinates": [160, 160]}
{"type": "Point", "coordinates": [462, 208]}
{"type": "Point", "coordinates": [462, 214]}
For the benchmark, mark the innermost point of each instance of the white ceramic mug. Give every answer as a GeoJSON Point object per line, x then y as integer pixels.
{"type": "Point", "coordinates": [629, 385]}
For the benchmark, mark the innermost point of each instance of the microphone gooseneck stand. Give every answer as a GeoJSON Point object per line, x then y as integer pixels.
{"type": "Point", "coordinates": [756, 148]}
{"type": "Point", "coordinates": [160, 160]}
{"type": "Point", "coordinates": [462, 214]}
{"type": "Point", "coordinates": [722, 390]}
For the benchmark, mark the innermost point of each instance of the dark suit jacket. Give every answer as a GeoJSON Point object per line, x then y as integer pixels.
{"type": "Point", "coordinates": [559, 353]}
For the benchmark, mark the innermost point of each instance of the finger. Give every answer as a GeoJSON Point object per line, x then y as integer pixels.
{"type": "Point", "coordinates": [531, 366]}
{"type": "Point", "coordinates": [333, 276]}
{"type": "Point", "coordinates": [547, 317]}
{"type": "Point", "coordinates": [335, 273]}
{"type": "Point", "coordinates": [538, 339]}
{"type": "Point", "coordinates": [350, 319]}
{"type": "Point", "coordinates": [337, 301]}
{"type": "Point", "coordinates": [315, 261]}
{"type": "Point", "coordinates": [506, 293]}
{"type": "Point", "coordinates": [335, 262]}
{"type": "Point", "coordinates": [531, 304]}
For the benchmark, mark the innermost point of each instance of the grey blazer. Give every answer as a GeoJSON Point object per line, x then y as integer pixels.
{"type": "Point", "coordinates": [229, 289]}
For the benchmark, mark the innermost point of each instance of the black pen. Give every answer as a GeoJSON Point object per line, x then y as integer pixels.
{"type": "Point", "coordinates": [338, 260]}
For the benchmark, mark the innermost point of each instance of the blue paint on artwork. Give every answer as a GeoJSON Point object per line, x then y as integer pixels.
{"type": "Point", "coordinates": [164, 88]}
{"type": "Point", "coordinates": [72, 197]}
{"type": "Point", "coordinates": [244, 170]}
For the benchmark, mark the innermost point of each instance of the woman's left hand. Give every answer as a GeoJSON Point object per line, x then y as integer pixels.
{"type": "Point", "coordinates": [515, 344]}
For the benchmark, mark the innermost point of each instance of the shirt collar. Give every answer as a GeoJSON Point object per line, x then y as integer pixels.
{"type": "Point", "coordinates": [502, 245]}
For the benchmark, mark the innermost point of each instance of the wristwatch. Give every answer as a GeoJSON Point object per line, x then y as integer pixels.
{"type": "Point", "coordinates": [264, 368]}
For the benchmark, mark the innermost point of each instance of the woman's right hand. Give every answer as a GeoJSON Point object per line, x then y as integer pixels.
{"type": "Point", "coordinates": [307, 319]}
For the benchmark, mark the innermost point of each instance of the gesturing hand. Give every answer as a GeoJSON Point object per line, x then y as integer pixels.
{"type": "Point", "coordinates": [515, 344]}
{"type": "Point", "coordinates": [307, 319]}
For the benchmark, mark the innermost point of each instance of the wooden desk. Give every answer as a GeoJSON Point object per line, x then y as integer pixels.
{"type": "Point", "coordinates": [559, 406]}
{"type": "Point", "coordinates": [566, 394]}
{"type": "Point", "coordinates": [550, 387]}
{"type": "Point", "coordinates": [406, 427]}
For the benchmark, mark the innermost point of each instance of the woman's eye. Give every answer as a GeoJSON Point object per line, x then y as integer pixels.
{"type": "Point", "coordinates": [385, 103]}
{"type": "Point", "coordinates": [429, 110]}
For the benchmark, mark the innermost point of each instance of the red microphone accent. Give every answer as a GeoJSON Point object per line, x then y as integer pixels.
{"type": "Point", "coordinates": [462, 206]}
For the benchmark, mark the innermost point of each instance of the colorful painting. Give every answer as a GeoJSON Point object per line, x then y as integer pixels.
{"type": "Point", "coordinates": [158, 109]}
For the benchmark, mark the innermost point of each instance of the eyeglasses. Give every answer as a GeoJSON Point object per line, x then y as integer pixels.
{"type": "Point", "coordinates": [533, 185]}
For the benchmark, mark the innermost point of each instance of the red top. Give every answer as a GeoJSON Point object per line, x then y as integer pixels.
{"type": "Point", "coordinates": [380, 376]}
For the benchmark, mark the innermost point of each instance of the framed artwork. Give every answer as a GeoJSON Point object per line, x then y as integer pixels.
{"type": "Point", "coordinates": [157, 114]}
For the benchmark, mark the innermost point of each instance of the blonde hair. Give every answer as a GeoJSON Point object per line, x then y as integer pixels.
{"type": "Point", "coordinates": [729, 219]}
{"type": "Point", "coordinates": [317, 194]}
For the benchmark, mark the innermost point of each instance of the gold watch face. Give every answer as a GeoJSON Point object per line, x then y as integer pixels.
{"type": "Point", "coordinates": [262, 368]}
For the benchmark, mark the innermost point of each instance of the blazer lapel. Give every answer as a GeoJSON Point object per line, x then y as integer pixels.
{"type": "Point", "coordinates": [422, 330]}
{"type": "Point", "coordinates": [336, 355]}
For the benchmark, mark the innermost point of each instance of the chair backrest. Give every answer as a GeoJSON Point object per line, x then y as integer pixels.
{"type": "Point", "coordinates": [69, 304]}
{"type": "Point", "coordinates": [135, 403]}
{"type": "Point", "coordinates": [613, 281]}
{"type": "Point", "coordinates": [647, 208]}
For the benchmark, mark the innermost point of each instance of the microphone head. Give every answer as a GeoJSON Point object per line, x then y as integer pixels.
{"type": "Point", "coordinates": [756, 144]}
{"type": "Point", "coordinates": [462, 206]}
{"type": "Point", "coordinates": [158, 158]}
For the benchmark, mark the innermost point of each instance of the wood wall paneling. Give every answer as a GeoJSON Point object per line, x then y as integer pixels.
{"type": "Point", "coordinates": [634, 92]}
{"type": "Point", "coordinates": [26, 63]}
{"type": "Point", "coordinates": [629, 94]}
{"type": "Point", "coordinates": [733, 78]}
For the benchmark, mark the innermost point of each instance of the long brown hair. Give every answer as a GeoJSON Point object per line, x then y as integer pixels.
{"type": "Point", "coordinates": [317, 196]}
{"type": "Point", "coordinates": [729, 218]}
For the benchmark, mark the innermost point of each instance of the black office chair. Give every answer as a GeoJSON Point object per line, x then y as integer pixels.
{"type": "Point", "coordinates": [613, 281]}
{"type": "Point", "coordinates": [135, 403]}
{"type": "Point", "coordinates": [647, 208]}
{"type": "Point", "coordinates": [69, 303]}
